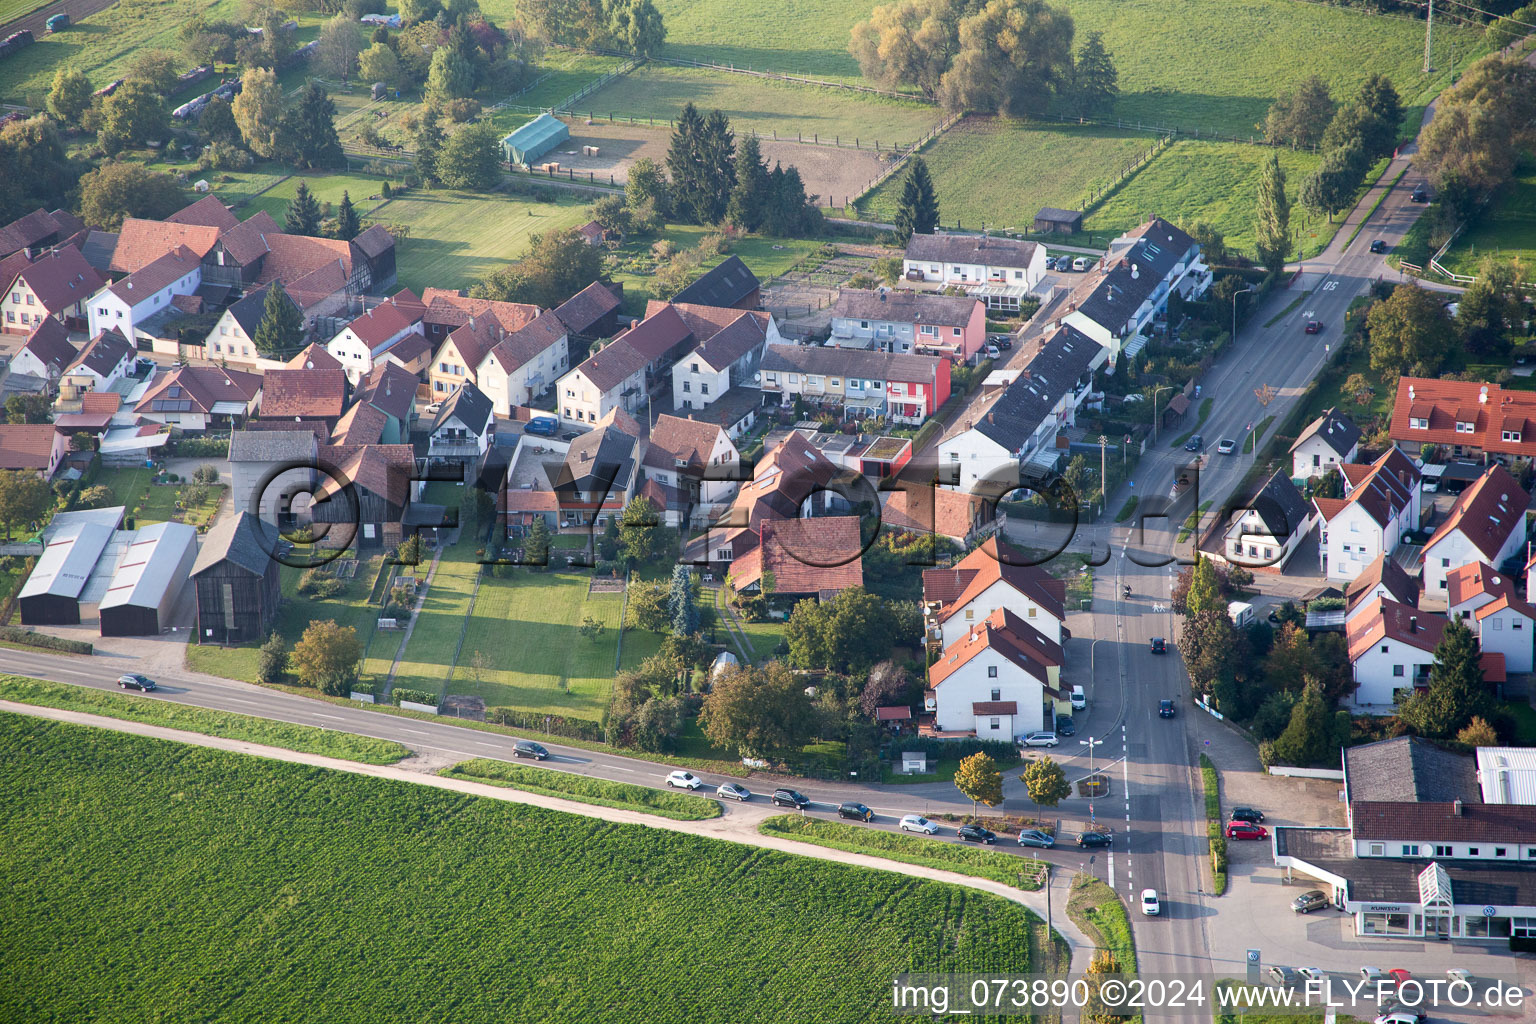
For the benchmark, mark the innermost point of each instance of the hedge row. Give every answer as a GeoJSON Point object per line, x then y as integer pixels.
{"type": "Point", "coordinates": [26, 637]}
{"type": "Point", "coordinates": [414, 696]}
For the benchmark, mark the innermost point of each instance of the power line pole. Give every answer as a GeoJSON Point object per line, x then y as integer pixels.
{"type": "Point", "coordinates": [1429, 31]}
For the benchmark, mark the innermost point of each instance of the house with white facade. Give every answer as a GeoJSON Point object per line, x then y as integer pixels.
{"type": "Point", "coordinates": [146, 292]}
{"type": "Point", "coordinates": [56, 285]}
{"type": "Point", "coordinates": [1486, 524]}
{"type": "Point", "coordinates": [366, 341]}
{"type": "Point", "coordinates": [46, 352]}
{"type": "Point", "coordinates": [856, 384]}
{"type": "Point", "coordinates": [105, 358]}
{"type": "Point", "coordinates": [996, 680]}
{"type": "Point", "coordinates": [1380, 505]}
{"type": "Point", "coordinates": [463, 428]}
{"type": "Point", "coordinates": [525, 364]}
{"type": "Point", "coordinates": [992, 576]}
{"type": "Point", "coordinates": [1268, 531]}
{"type": "Point", "coordinates": [1326, 442]}
{"type": "Point", "coordinates": [999, 271]}
{"type": "Point", "coordinates": [1486, 601]}
{"type": "Point", "coordinates": [1391, 648]}
{"type": "Point", "coordinates": [953, 326]}
{"type": "Point", "coordinates": [1125, 297]}
{"type": "Point", "coordinates": [197, 398]}
{"type": "Point", "coordinates": [610, 378]}
{"type": "Point", "coordinates": [695, 463]}
{"type": "Point", "coordinates": [730, 348]}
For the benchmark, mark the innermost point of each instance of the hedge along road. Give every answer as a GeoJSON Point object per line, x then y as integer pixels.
{"type": "Point", "coordinates": [738, 824]}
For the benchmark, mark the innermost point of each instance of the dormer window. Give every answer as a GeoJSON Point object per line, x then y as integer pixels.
{"type": "Point", "coordinates": [1512, 435]}
{"type": "Point", "coordinates": [1463, 427]}
{"type": "Point", "coordinates": [1418, 423]}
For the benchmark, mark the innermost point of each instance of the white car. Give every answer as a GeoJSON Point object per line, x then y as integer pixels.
{"type": "Point", "coordinates": [734, 791]}
{"type": "Point", "coordinates": [1459, 974]}
{"type": "Point", "coordinates": [1370, 973]}
{"type": "Point", "coordinates": [1149, 903]}
{"type": "Point", "coordinates": [1040, 739]}
{"type": "Point", "coordinates": [918, 823]}
{"type": "Point", "coordinates": [684, 780]}
{"type": "Point", "coordinates": [1312, 973]}
{"type": "Point", "coordinates": [1400, 1017]}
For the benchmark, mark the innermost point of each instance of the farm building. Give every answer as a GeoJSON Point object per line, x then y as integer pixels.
{"type": "Point", "coordinates": [534, 139]}
{"type": "Point", "coordinates": [52, 594]}
{"type": "Point", "coordinates": [1060, 222]}
{"type": "Point", "coordinates": [148, 580]}
{"type": "Point", "coordinates": [237, 581]}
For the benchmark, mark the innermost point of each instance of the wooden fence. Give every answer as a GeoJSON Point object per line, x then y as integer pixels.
{"type": "Point", "coordinates": [736, 69]}
{"type": "Point", "coordinates": [1098, 194]}
{"type": "Point", "coordinates": [901, 161]}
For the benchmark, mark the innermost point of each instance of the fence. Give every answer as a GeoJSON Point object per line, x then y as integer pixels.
{"type": "Point", "coordinates": [1098, 195]}
{"type": "Point", "coordinates": [777, 76]}
{"type": "Point", "coordinates": [1336, 774]}
{"type": "Point", "coordinates": [897, 164]}
{"type": "Point", "coordinates": [598, 83]}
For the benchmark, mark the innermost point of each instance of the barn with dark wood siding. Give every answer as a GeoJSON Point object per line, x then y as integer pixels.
{"type": "Point", "coordinates": [238, 589]}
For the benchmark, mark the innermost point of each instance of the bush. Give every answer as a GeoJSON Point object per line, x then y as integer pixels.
{"type": "Point", "coordinates": [551, 725]}
{"type": "Point", "coordinates": [368, 689]}
{"type": "Point", "coordinates": [1003, 752]}
{"type": "Point", "coordinates": [414, 696]}
{"type": "Point", "coordinates": [463, 109]}
{"type": "Point", "coordinates": [27, 638]}
{"type": "Point", "coordinates": [201, 447]}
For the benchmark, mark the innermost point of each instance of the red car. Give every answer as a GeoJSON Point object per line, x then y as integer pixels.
{"type": "Point", "coordinates": [1314, 327]}
{"type": "Point", "coordinates": [1246, 830]}
{"type": "Point", "coordinates": [1399, 975]}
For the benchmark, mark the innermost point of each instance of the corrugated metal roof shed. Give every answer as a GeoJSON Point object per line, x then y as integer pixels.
{"type": "Point", "coordinates": [151, 566]}
{"type": "Point", "coordinates": [534, 139]}
{"type": "Point", "coordinates": [1507, 775]}
{"type": "Point", "coordinates": [67, 562]}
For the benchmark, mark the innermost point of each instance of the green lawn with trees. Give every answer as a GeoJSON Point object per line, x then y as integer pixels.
{"type": "Point", "coordinates": [1504, 229]}
{"type": "Point", "coordinates": [352, 915]}
{"type": "Point", "coordinates": [623, 795]}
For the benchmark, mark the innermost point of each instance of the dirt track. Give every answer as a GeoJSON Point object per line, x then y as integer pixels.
{"type": "Point", "coordinates": [76, 9]}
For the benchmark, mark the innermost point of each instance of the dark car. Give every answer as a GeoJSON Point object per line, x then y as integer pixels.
{"type": "Point", "coordinates": [1420, 194]}
{"type": "Point", "coordinates": [1195, 443]}
{"type": "Point", "coordinates": [1379, 245]}
{"type": "Point", "coordinates": [1005, 343]}
{"type": "Point", "coordinates": [1307, 902]}
{"type": "Point", "coordinates": [1165, 709]}
{"type": "Point", "coordinates": [528, 748]}
{"type": "Point", "coordinates": [1159, 645]}
{"type": "Point", "coordinates": [135, 681]}
{"type": "Point", "coordinates": [1065, 726]}
{"type": "Point", "coordinates": [1314, 327]}
{"type": "Point", "coordinates": [976, 834]}
{"type": "Point", "coordinates": [544, 426]}
{"type": "Point", "coordinates": [856, 811]}
{"type": "Point", "coordinates": [789, 798]}
{"type": "Point", "coordinates": [1094, 839]}
{"type": "Point", "coordinates": [570, 435]}
{"type": "Point", "coordinates": [1249, 814]}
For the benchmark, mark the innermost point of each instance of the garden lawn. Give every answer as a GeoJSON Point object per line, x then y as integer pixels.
{"type": "Point", "coordinates": [999, 172]}
{"type": "Point", "coordinates": [152, 711]}
{"type": "Point", "coordinates": [768, 258]}
{"type": "Point", "coordinates": [458, 238]}
{"type": "Point", "coordinates": [428, 657]}
{"type": "Point", "coordinates": [326, 188]}
{"type": "Point", "coordinates": [627, 796]}
{"type": "Point", "coordinates": [317, 893]}
{"type": "Point", "coordinates": [926, 851]}
{"type": "Point", "coordinates": [659, 91]}
{"type": "Point", "coordinates": [1329, 390]}
{"type": "Point", "coordinates": [1506, 229]}
{"type": "Point", "coordinates": [240, 187]}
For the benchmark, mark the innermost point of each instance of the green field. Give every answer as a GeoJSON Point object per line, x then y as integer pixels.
{"type": "Point", "coordinates": [659, 91]}
{"type": "Point", "coordinates": [326, 188]}
{"type": "Point", "coordinates": [152, 711]}
{"type": "Point", "coordinates": [10, 10]}
{"type": "Point", "coordinates": [1214, 181]}
{"type": "Point", "coordinates": [156, 503]}
{"type": "Point", "coordinates": [961, 858]}
{"type": "Point", "coordinates": [1506, 229]}
{"type": "Point", "coordinates": [999, 173]}
{"type": "Point", "coordinates": [767, 258]}
{"type": "Point", "coordinates": [314, 894]}
{"type": "Point", "coordinates": [561, 74]}
{"type": "Point", "coordinates": [623, 795]}
{"type": "Point", "coordinates": [429, 655]}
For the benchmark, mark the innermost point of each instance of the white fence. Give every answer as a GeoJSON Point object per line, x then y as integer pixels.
{"type": "Point", "coordinates": [1336, 774]}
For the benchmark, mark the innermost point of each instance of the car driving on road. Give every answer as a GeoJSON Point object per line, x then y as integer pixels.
{"type": "Point", "coordinates": [976, 834]}
{"type": "Point", "coordinates": [528, 748]}
{"type": "Point", "coordinates": [1159, 645]}
{"type": "Point", "coordinates": [1195, 443]}
{"type": "Point", "coordinates": [1149, 903]}
{"type": "Point", "coordinates": [1165, 709]}
{"type": "Point", "coordinates": [1226, 446]}
{"type": "Point", "coordinates": [136, 681]}
{"type": "Point", "coordinates": [1379, 245]}
{"type": "Point", "coordinates": [684, 780]}
{"type": "Point", "coordinates": [918, 823]}
{"type": "Point", "coordinates": [733, 791]}
{"type": "Point", "coordinates": [856, 811]}
{"type": "Point", "coordinates": [1314, 327]}
{"type": "Point", "coordinates": [1035, 837]}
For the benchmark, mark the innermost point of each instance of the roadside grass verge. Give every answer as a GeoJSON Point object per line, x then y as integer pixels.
{"type": "Point", "coordinates": [1192, 522]}
{"type": "Point", "coordinates": [228, 725]}
{"type": "Point", "coordinates": [1099, 911]}
{"type": "Point", "coordinates": [622, 795]}
{"type": "Point", "coordinates": [1256, 435]}
{"type": "Point", "coordinates": [1213, 826]}
{"type": "Point", "coordinates": [1128, 509]}
{"type": "Point", "coordinates": [976, 861]}
{"type": "Point", "coordinates": [1200, 418]}
{"type": "Point", "coordinates": [1288, 310]}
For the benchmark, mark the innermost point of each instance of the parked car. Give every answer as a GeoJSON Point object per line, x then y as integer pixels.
{"type": "Point", "coordinates": [136, 681]}
{"type": "Point", "coordinates": [1243, 830]}
{"type": "Point", "coordinates": [528, 748]}
{"type": "Point", "coordinates": [1226, 446]}
{"type": "Point", "coordinates": [1149, 903]}
{"type": "Point", "coordinates": [1065, 726]}
{"type": "Point", "coordinates": [1041, 739]}
{"type": "Point", "coordinates": [1050, 263]}
{"type": "Point", "coordinates": [1079, 698]}
{"type": "Point", "coordinates": [434, 408]}
{"type": "Point", "coordinates": [790, 798]}
{"type": "Point", "coordinates": [1094, 839]}
{"type": "Point", "coordinates": [1400, 1017]}
{"type": "Point", "coordinates": [1195, 443]}
{"type": "Point", "coordinates": [976, 834]}
{"type": "Point", "coordinates": [1082, 263]}
{"type": "Point", "coordinates": [1314, 327]}
{"type": "Point", "coordinates": [1005, 343]}
{"type": "Point", "coordinates": [1312, 899]}
{"type": "Point", "coordinates": [1458, 974]}
{"type": "Point", "coordinates": [1399, 975]}
{"type": "Point", "coordinates": [570, 435]}
{"type": "Point", "coordinates": [733, 791]}
{"type": "Point", "coordinates": [1312, 973]}
{"type": "Point", "coordinates": [856, 811]}
{"type": "Point", "coordinates": [1165, 709]}
{"type": "Point", "coordinates": [684, 780]}
{"type": "Point", "coordinates": [1035, 837]}
{"type": "Point", "coordinates": [1159, 645]}
{"type": "Point", "coordinates": [544, 426]}
{"type": "Point", "coordinates": [1379, 245]}
{"type": "Point", "coordinates": [1252, 815]}
{"type": "Point", "coordinates": [993, 351]}
{"type": "Point", "coordinates": [918, 823]}
{"type": "Point", "coordinates": [1370, 973]}
{"type": "Point", "coordinates": [1281, 975]}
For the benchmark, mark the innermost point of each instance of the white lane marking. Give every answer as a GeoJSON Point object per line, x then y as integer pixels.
{"type": "Point", "coordinates": [621, 768]}
{"type": "Point", "coordinates": [334, 718]}
{"type": "Point", "coordinates": [1111, 869]}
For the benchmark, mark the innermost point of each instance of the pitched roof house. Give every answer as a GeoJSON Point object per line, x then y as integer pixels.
{"type": "Point", "coordinates": [805, 556]}
{"type": "Point", "coordinates": [998, 269]}
{"type": "Point", "coordinates": [307, 394]}
{"type": "Point", "coordinates": [390, 389]}
{"type": "Point", "coordinates": [525, 363]}
{"type": "Point", "coordinates": [729, 349]}
{"type": "Point", "coordinates": [1469, 418]}
{"type": "Point", "coordinates": [46, 352]}
{"type": "Point", "coordinates": [146, 292]}
{"type": "Point", "coordinates": [994, 680]}
{"type": "Point", "coordinates": [364, 342]}
{"type": "Point", "coordinates": [729, 284]}
{"type": "Point", "coordinates": [992, 576]}
{"type": "Point", "coordinates": [592, 312]}
{"type": "Point", "coordinates": [35, 446]}
{"type": "Point", "coordinates": [611, 378]}
{"type": "Point", "coordinates": [1487, 524]}
{"type": "Point", "coordinates": [462, 429]}
{"type": "Point", "coordinates": [1267, 532]}
{"type": "Point", "coordinates": [1381, 504]}
{"type": "Point", "coordinates": [903, 388]}
{"type": "Point", "coordinates": [196, 398]}
{"type": "Point", "coordinates": [37, 229]}
{"type": "Point", "coordinates": [952, 326]}
{"type": "Point", "coordinates": [694, 461]}
{"type": "Point", "coordinates": [105, 358]}
{"type": "Point", "coordinates": [1384, 577]}
{"type": "Point", "coordinates": [1391, 648]}
{"type": "Point", "coordinates": [58, 284]}
{"type": "Point", "coordinates": [1326, 442]}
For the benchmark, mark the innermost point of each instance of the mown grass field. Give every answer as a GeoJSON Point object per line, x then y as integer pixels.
{"type": "Point", "coordinates": [659, 91]}
{"type": "Point", "coordinates": [1506, 230]}
{"type": "Point", "coordinates": [927, 851]}
{"type": "Point", "coordinates": [624, 795]}
{"type": "Point", "coordinates": [561, 74]}
{"type": "Point", "coordinates": [315, 893]}
{"type": "Point", "coordinates": [155, 711]}
{"type": "Point", "coordinates": [326, 188]}
{"type": "Point", "coordinates": [10, 10]}
{"type": "Point", "coordinates": [998, 172]}
{"type": "Point", "coordinates": [767, 257]}
{"type": "Point", "coordinates": [1099, 911]}
{"type": "Point", "coordinates": [427, 658]}
{"type": "Point", "coordinates": [1214, 181]}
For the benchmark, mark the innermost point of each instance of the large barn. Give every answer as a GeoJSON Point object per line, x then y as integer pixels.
{"type": "Point", "coordinates": [238, 589]}
{"type": "Point", "coordinates": [73, 544]}
{"type": "Point", "coordinates": [148, 580]}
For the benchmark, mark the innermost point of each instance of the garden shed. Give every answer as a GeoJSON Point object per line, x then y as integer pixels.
{"type": "Point", "coordinates": [534, 139]}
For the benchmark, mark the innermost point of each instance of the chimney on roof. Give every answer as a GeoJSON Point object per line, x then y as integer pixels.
{"type": "Point", "coordinates": [1456, 807]}
{"type": "Point", "coordinates": [1413, 623]}
{"type": "Point", "coordinates": [991, 417]}
{"type": "Point", "coordinates": [633, 324]}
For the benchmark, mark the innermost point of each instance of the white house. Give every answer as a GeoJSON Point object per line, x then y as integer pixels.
{"type": "Point", "coordinates": [1391, 648]}
{"type": "Point", "coordinates": [695, 463]}
{"type": "Point", "coordinates": [197, 398]}
{"type": "Point", "coordinates": [146, 292]}
{"type": "Point", "coordinates": [1268, 531]}
{"type": "Point", "coordinates": [1506, 626]}
{"type": "Point", "coordinates": [1012, 268]}
{"type": "Point", "coordinates": [363, 343]}
{"type": "Point", "coordinates": [56, 285]}
{"type": "Point", "coordinates": [463, 427]}
{"type": "Point", "coordinates": [727, 357]}
{"type": "Point", "coordinates": [46, 352]}
{"type": "Point", "coordinates": [954, 326]}
{"type": "Point", "coordinates": [1327, 441]}
{"type": "Point", "coordinates": [1381, 504]}
{"type": "Point", "coordinates": [1382, 578]}
{"type": "Point", "coordinates": [105, 358]}
{"type": "Point", "coordinates": [611, 378]}
{"type": "Point", "coordinates": [525, 364]}
{"type": "Point", "coordinates": [1486, 524]}
{"type": "Point", "coordinates": [956, 598]}
{"type": "Point", "coordinates": [995, 679]}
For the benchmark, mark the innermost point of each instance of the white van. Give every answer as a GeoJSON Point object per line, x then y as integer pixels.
{"type": "Point", "coordinates": [1082, 263]}
{"type": "Point", "coordinates": [1079, 698]}
{"type": "Point", "coordinates": [1240, 612]}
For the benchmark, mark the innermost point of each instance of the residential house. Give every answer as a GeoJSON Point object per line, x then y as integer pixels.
{"type": "Point", "coordinates": [368, 339]}
{"type": "Point", "coordinates": [1486, 524]}
{"type": "Point", "coordinates": [1000, 271]}
{"type": "Point", "coordinates": [314, 356]}
{"type": "Point", "coordinates": [145, 292]}
{"type": "Point", "coordinates": [369, 487]}
{"type": "Point", "coordinates": [1264, 534]}
{"type": "Point", "coordinates": [1471, 420]}
{"type": "Point", "coordinates": [107, 357]}
{"type": "Point", "coordinates": [313, 394]}
{"type": "Point", "coordinates": [391, 390]}
{"type": "Point", "coordinates": [1013, 437]}
{"type": "Point", "coordinates": [37, 230]}
{"type": "Point", "coordinates": [599, 475]}
{"type": "Point", "coordinates": [730, 346]}
{"type": "Point", "coordinates": [593, 312]}
{"type": "Point", "coordinates": [362, 423]}
{"type": "Point", "coordinates": [1391, 648]}
{"type": "Point", "coordinates": [445, 311]}
{"type": "Point", "coordinates": [953, 326]}
{"type": "Point", "coordinates": [238, 584]}
{"type": "Point", "coordinates": [919, 506]}
{"type": "Point", "coordinates": [994, 680]}
{"type": "Point", "coordinates": [1381, 504]}
{"type": "Point", "coordinates": [1487, 602]}
{"type": "Point", "coordinates": [141, 242]}
{"type": "Point", "coordinates": [46, 352]}
{"type": "Point", "coordinates": [233, 336]}
{"type": "Point", "coordinates": [1384, 577]}
{"type": "Point", "coordinates": [1326, 442]}
{"type": "Point", "coordinates": [992, 576]}
{"type": "Point", "coordinates": [611, 378]}
{"type": "Point", "coordinates": [593, 233]}
{"type": "Point", "coordinates": [791, 480]}
{"type": "Point", "coordinates": [1122, 301]}
{"type": "Point", "coordinates": [875, 456]}
{"type": "Point", "coordinates": [694, 461]}
{"type": "Point", "coordinates": [32, 446]}
{"type": "Point", "coordinates": [463, 427]}
{"type": "Point", "coordinates": [819, 556]}
{"type": "Point", "coordinates": [268, 469]}
{"type": "Point", "coordinates": [524, 364]}
{"type": "Point", "coordinates": [729, 284]}
{"type": "Point", "coordinates": [199, 398]}
{"type": "Point", "coordinates": [57, 284]}
{"type": "Point", "coordinates": [902, 388]}
{"type": "Point", "coordinates": [662, 337]}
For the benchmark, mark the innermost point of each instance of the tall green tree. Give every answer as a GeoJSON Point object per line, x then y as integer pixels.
{"type": "Point", "coordinates": [428, 140]}
{"type": "Point", "coordinates": [979, 779]}
{"type": "Point", "coordinates": [685, 165]}
{"type": "Point", "coordinates": [1331, 187]}
{"type": "Point", "coordinates": [35, 168]}
{"type": "Point", "coordinates": [70, 96]}
{"type": "Point", "coordinates": [536, 546]}
{"type": "Point", "coordinates": [326, 657]}
{"type": "Point", "coordinates": [1410, 332]}
{"type": "Point", "coordinates": [450, 77]}
{"type": "Point", "coordinates": [1298, 118]}
{"type": "Point", "coordinates": [647, 605]}
{"type": "Point", "coordinates": [118, 190]}
{"type": "Point", "coordinates": [1011, 57]}
{"type": "Point", "coordinates": [272, 659]}
{"type": "Point", "coordinates": [1456, 692]}
{"type": "Point", "coordinates": [339, 44]}
{"type": "Point", "coordinates": [1095, 82]}
{"type": "Point", "coordinates": [471, 158]}
{"type": "Point", "coordinates": [379, 63]}
{"type": "Point", "coordinates": [917, 213]}
{"type": "Point", "coordinates": [1490, 309]}
{"type": "Point", "coordinates": [347, 225]}
{"type": "Point", "coordinates": [680, 602]}
{"type": "Point", "coordinates": [258, 110]}
{"type": "Point", "coordinates": [636, 26]}
{"type": "Point", "coordinates": [1210, 647]}
{"type": "Point", "coordinates": [156, 69]}
{"type": "Point", "coordinates": [1310, 737]}
{"type": "Point", "coordinates": [1047, 782]}
{"type": "Point", "coordinates": [758, 711]}
{"type": "Point", "coordinates": [217, 122]}
{"type": "Point", "coordinates": [637, 530]}
{"type": "Point", "coordinates": [1273, 226]}
{"type": "Point", "coordinates": [790, 212]}
{"type": "Point", "coordinates": [24, 498]}
{"type": "Point", "coordinates": [131, 116]}
{"type": "Point", "coordinates": [281, 331]}
{"type": "Point", "coordinates": [303, 216]}
{"type": "Point", "coordinates": [555, 266]}
{"type": "Point", "coordinates": [1204, 589]}
{"type": "Point", "coordinates": [1481, 125]}
{"type": "Point", "coordinates": [647, 184]}
{"type": "Point", "coordinates": [307, 134]}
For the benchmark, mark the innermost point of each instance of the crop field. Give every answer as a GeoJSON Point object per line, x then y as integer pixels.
{"type": "Point", "coordinates": [152, 711]}
{"type": "Point", "coordinates": [316, 893]}
{"type": "Point", "coordinates": [1506, 229]}
{"type": "Point", "coordinates": [623, 795]}
{"type": "Point", "coordinates": [792, 111]}
{"type": "Point", "coordinates": [1213, 181]}
{"type": "Point", "coordinates": [998, 172]}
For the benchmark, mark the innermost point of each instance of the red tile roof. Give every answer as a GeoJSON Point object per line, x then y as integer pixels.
{"type": "Point", "coordinates": [101, 401]}
{"type": "Point", "coordinates": [1386, 619]}
{"type": "Point", "coordinates": [1329, 507]}
{"type": "Point", "coordinates": [1491, 409]}
{"type": "Point", "coordinates": [1465, 582]}
{"type": "Point", "coordinates": [10, 266]}
{"type": "Point", "coordinates": [381, 469]}
{"type": "Point", "coordinates": [28, 230]}
{"type": "Point", "coordinates": [806, 556]}
{"type": "Point", "coordinates": [450, 309]}
{"type": "Point", "coordinates": [201, 386]}
{"type": "Point", "coordinates": [303, 394]}
{"type": "Point", "coordinates": [384, 321]}
{"type": "Point", "coordinates": [955, 587]}
{"type": "Point", "coordinates": [1386, 488]}
{"type": "Point", "coordinates": [141, 242]}
{"type": "Point", "coordinates": [156, 274]}
{"type": "Point", "coordinates": [314, 355]}
{"type": "Point", "coordinates": [615, 363]}
{"type": "Point", "coordinates": [707, 321]}
{"type": "Point", "coordinates": [1492, 664]}
{"type": "Point", "coordinates": [209, 211]}
{"type": "Point", "coordinates": [26, 445]}
{"type": "Point", "coordinates": [60, 278]}
{"type": "Point", "coordinates": [292, 257]}
{"type": "Point", "coordinates": [1385, 571]}
{"type": "Point", "coordinates": [658, 335]}
{"type": "Point", "coordinates": [1434, 822]}
{"type": "Point", "coordinates": [1508, 600]}
{"type": "Point", "coordinates": [691, 441]}
{"type": "Point", "coordinates": [1486, 513]}
{"type": "Point", "coordinates": [924, 508]}
{"type": "Point", "coordinates": [319, 284]}
{"type": "Point", "coordinates": [361, 424]}
{"type": "Point", "coordinates": [998, 633]}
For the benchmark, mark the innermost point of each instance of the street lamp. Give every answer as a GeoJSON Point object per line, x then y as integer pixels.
{"type": "Point", "coordinates": [1090, 743]}
{"type": "Point", "coordinates": [1234, 310]}
{"type": "Point", "coordinates": [1155, 392]}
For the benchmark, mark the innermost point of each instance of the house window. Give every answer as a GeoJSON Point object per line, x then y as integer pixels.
{"type": "Point", "coordinates": [224, 331]}
{"type": "Point", "coordinates": [1463, 427]}
{"type": "Point", "coordinates": [15, 296]}
{"type": "Point", "coordinates": [1443, 851]}
{"type": "Point", "coordinates": [927, 330]}
{"type": "Point", "coordinates": [1498, 623]}
{"type": "Point", "coordinates": [1472, 851]}
{"type": "Point", "coordinates": [1397, 670]}
{"type": "Point", "coordinates": [29, 299]}
{"type": "Point", "coordinates": [955, 331]}
{"type": "Point", "coordinates": [1418, 423]}
{"type": "Point", "coordinates": [863, 325]}
{"type": "Point", "coordinates": [687, 386]}
{"type": "Point", "coordinates": [1499, 851]}
{"type": "Point", "coordinates": [836, 382]}
{"type": "Point", "coordinates": [10, 317]}
{"type": "Point", "coordinates": [1445, 563]}
{"type": "Point", "coordinates": [997, 723]}
{"type": "Point", "coordinates": [771, 378]}
{"type": "Point", "coordinates": [992, 674]}
{"type": "Point", "coordinates": [1410, 850]}
{"type": "Point", "coordinates": [704, 389]}
{"type": "Point", "coordinates": [793, 378]}
{"type": "Point", "coordinates": [1511, 435]}
{"type": "Point", "coordinates": [996, 693]}
{"type": "Point", "coordinates": [1378, 849]}
{"type": "Point", "coordinates": [970, 613]}
{"type": "Point", "coordinates": [694, 367]}
{"type": "Point", "coordinates": [119, 314]}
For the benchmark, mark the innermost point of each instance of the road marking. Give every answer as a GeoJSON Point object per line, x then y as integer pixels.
{"type": "Point", "coordinates": [1111, 869]}
{"type": "Point", "coordinates": [621, 768]}
{"type": "Point", "coordinates": [334, 718]}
